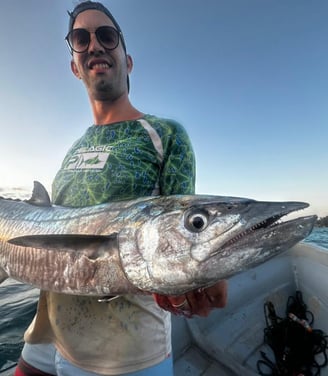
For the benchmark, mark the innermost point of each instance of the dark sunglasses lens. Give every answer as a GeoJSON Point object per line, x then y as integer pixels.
{"type": "Point", "coordinates": [79, 39]}
{"type": "Point", "coordinates": [108, 37]}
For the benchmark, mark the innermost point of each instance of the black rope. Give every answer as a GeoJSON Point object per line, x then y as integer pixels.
{"type": "Point", "coordinates": [298, 348]}
{"type": "Point", "coordinates": [12, 366]}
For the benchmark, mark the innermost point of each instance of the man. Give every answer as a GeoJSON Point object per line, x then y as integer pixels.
{"type": "Point", "coordinates": [137, 155]}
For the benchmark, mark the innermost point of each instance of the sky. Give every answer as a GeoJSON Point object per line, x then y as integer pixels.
{"type": "Point", "coordinates": [248, 79]}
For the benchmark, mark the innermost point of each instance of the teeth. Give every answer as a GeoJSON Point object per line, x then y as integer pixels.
{"type": "Point", "coordinates": [270, 222]}
{"type": "Point", "coordinates": [100, 66]}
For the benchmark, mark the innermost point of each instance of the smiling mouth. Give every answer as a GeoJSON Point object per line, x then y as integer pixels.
{"type": "Point", "coordinates": [100, 66]}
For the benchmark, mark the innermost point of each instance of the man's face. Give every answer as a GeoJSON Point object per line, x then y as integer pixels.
{"type": "Point", "coordinates": [103, 72]}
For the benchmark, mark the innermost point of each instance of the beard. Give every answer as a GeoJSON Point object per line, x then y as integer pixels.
{"type": "Point", "coordinates": [103, 90]}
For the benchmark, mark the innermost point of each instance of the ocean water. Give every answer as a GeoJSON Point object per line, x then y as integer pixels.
{"type": "Point", "coordinates": [319, 236]}
{"type": "Point", "coordinates": [18, 305]}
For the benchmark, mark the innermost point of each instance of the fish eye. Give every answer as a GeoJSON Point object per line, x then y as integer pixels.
{"type": "Point", "coordinates": [196, 221]}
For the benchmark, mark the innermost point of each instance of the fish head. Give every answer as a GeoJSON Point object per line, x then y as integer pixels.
{"type": "Point", "coordinates": [191, 227]}
{"type": "Point", "coordinates": [183, 242]}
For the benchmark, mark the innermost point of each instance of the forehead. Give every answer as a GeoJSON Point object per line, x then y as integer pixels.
{"type": "Point", "coordinates": [92, 19]}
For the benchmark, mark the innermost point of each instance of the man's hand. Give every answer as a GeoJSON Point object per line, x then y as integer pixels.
{"type": "Point", "coordinates": [197, 302]}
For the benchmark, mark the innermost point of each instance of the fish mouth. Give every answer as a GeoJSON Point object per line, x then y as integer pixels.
{"type": "Point", "coordinates": [274, 226]}
{"type": "Point", "coordinates": [269, 223]}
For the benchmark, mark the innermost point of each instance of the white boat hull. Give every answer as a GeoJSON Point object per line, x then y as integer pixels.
{"type": "Point", "coordinates": [229, 341]}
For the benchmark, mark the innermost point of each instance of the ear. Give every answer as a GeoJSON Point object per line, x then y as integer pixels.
{"type": "Point", "coordinates": [75, 70]}
{"type": "Point", "coordinates": [129, 63]}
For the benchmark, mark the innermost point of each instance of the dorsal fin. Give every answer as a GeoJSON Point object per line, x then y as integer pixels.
{"type": "Point", "coordinates": [40, 196]}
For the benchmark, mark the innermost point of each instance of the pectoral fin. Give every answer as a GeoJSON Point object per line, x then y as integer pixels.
{"type": "Point", "coordinates": [65, 242]}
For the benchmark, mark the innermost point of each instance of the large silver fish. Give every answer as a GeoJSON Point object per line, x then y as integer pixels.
{"type": "Point", "coordinates": [164, 244]}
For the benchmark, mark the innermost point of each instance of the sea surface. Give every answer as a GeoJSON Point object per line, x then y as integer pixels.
{"type": "Point", "coordinates": [18, 304]}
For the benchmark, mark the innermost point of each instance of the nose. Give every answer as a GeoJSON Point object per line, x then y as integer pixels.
{"type": "Point", "coordinates": [94, 45]}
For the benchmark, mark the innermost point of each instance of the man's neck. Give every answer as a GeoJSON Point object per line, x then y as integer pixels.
{"type": "Point", "coordinates": [108, 112]}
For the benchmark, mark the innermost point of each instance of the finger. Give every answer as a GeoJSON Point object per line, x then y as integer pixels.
{"type": "Point", "coordinates": [199, 303]}
{"type": "Point", "coordinates": [217, 294]}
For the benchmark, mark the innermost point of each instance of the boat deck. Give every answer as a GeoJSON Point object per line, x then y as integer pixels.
{"type": "Point", "coordinates": [229, 341]}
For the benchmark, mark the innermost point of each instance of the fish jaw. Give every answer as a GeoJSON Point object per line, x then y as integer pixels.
{"type": "Point", "coordinates": [254, 248]}
{"type": "Point", "coordinates": [170, 256]}
{"type": "Point", "coordinates": [258, 218]}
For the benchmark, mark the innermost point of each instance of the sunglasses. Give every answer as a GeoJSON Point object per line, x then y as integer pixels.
{"type": "Point", "coordinates": [78, 40]}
